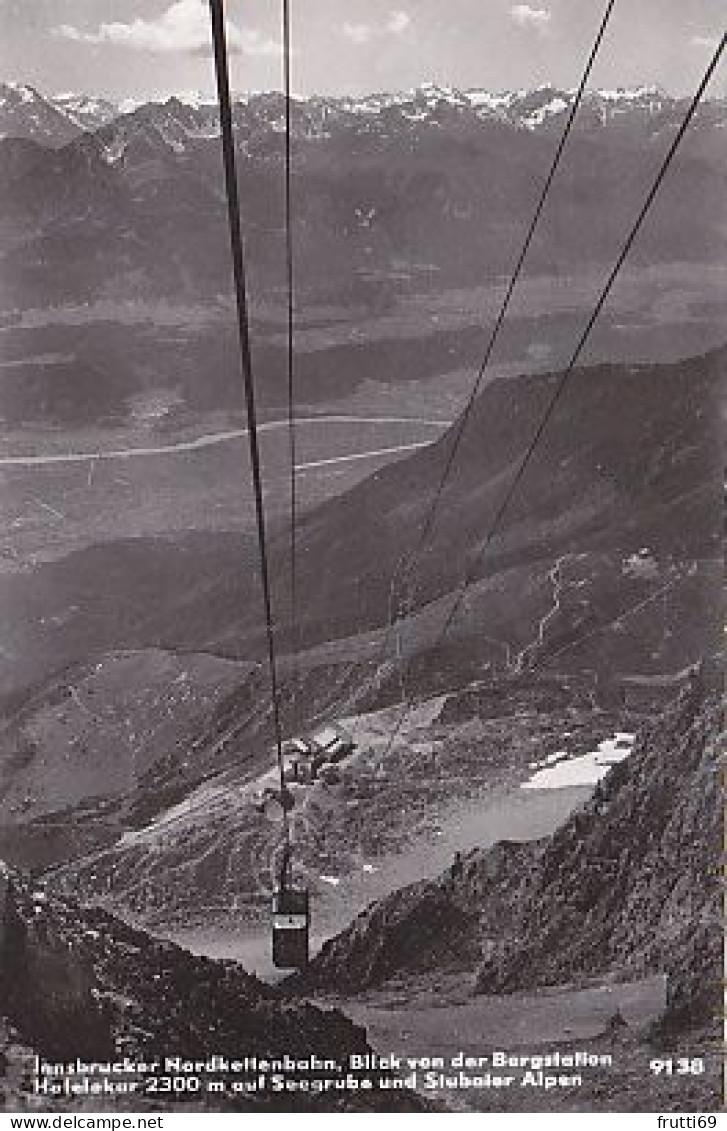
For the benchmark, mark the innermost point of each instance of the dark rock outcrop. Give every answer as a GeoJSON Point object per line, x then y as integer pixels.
{"type": "Point", "coordinates": [77, 982]}
{"type": "Point", "coordinates": [421, 927]}
{"type": "Point", "coordinates": [46, 988]}
{"type": "Point", "coordinates": [152, 993]}
{"type": "Point", "coordinates": [430, 925]}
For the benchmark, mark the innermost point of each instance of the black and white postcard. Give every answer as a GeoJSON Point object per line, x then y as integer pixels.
{"type": "Point", "coordinates": [361, 561]}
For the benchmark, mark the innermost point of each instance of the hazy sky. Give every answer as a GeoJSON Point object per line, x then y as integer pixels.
{"type": "Point", "coordinates": [153, 47]}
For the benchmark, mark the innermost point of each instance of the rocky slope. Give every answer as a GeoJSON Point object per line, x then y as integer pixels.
{"type": "Point", "coordinates": [51, 121]}
{"type": "Point", "coordinates": [101, 740]}
{"type": "Point", "coordinates": [630, 461]}
{"type": "Point", "coordinates": [79, 983]}
{"type": "Point", "coordinates": [630, 883]}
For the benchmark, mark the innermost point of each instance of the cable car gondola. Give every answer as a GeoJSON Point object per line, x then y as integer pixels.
{"type": "Point", "coordinates": [291, 928]}
{"type": "Point", "coordinates": [291, 916]}
{"type": "Point", "coordinates": [291, 919]}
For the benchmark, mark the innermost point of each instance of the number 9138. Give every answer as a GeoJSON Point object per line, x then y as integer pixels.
{"type": "Point", "coordinates": [683, 1067]}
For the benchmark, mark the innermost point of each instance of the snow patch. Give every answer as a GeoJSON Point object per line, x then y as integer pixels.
{"type": "Point", "coordinates": [626, 94]}
{"type": "Point", "coordinates": [114, 151]}
{"type": "Point", "coordinates": [196, 99]}
{"type": "Point", "coordinates": [550, 109]}
{"type": "Point", "coordinates": [560, 772]}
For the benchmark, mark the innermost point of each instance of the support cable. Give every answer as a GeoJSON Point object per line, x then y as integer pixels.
{"type": "Point", "coordinates": [427, 529]}
{"type": "Point", "coordinates": [290, 347]}
{"type": "Point", "coordinates": [564, 379]}
{"type": "Point", "coordinates": [243, 323]}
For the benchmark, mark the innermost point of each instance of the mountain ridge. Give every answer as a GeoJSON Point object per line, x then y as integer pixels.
{"type": "Point", "coordinates": [56, 119]}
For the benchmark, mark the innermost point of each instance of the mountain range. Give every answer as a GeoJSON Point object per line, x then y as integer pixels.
{"type": "Point", "coordinates": [136, 732]}
{"type": "Point", "coordinates": [425, 189]}
{"type": "Point", "coordinates": [56, 119]}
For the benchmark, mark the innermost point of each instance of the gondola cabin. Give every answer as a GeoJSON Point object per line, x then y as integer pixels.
{"type": "Point", "coordinates": [291, 928]}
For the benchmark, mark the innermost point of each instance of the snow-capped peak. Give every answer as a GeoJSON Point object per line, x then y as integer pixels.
{"type": "Point", "coordinates": [191, 115]}
{"type": "Point", "coordinates": [630, 94]}
{"type": "Point", "coordinates": [24, 92]}
{"type": "Point", "coordinates": [84, 111]}
{"type": "Point", "coordinates": [195, 99]}
{"type": "Point", "coordinates": [434, 92]}
{"type": "Point", "coordinates": [128, 105]}
{"type": "Point", "coordinates": [18, 94]}
{"type": "Point", "coordinates": [490, 99]}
